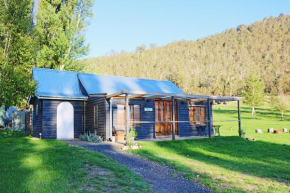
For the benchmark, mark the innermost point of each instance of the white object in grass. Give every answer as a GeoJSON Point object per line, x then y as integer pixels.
{"type": "Point", "coordinates": [270, 130]}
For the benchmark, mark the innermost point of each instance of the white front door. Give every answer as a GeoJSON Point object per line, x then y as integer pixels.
{"type": "Point", "coordinates": [65, 121]}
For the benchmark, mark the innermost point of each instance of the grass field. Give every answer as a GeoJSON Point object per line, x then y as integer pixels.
{"type": "Point", "coordinates": [28, 165]}
{"type": "Point", "coordinates": [230, 163]}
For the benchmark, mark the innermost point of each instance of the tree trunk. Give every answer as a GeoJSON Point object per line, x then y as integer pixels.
{"type": "Point", "coordinates": [253, 111]}
{"type": "Point", "coordinates": [282, 115]}
{"type": "Point", "coordinates": [61, 66]}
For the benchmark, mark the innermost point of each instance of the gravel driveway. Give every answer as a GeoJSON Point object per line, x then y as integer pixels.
{"type": "Point", "coordinates": [162, 178]}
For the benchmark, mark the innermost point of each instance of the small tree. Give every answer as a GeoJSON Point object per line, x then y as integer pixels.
{"type": "Point", "coordinates": [253, 93]}
{"type": "Point", "coordinates": [280, 103]}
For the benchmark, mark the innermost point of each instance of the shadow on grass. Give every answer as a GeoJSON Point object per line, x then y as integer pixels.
{"type": "Point", "coordinates": [260, 159]}
{"type": "Point", "coordinates": [28, 165]}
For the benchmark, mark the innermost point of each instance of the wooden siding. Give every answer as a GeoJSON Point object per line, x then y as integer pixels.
{"type": "Point", "coordinates": [145, 130]}
{"type": "Point", "coordinates": [101, 129]}
{"type": "Point", "coordinates": [37, 119]}
{"type": "Point", "coordinates": [50, 118]}
{"type": "Point", "coordinates": [186, 129]}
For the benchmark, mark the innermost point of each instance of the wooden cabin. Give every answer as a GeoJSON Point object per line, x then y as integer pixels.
{"type": "Point", "coordinates": [68, 104]}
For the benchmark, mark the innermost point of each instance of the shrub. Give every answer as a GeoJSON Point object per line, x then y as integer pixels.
{"type": "Point", "coordinates": [91, 138]}
{"type": "Point", "coordinates": [131, 137]}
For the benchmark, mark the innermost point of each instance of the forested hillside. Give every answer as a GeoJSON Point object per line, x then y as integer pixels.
{"type": "Point", "coordinates": [217, 65]}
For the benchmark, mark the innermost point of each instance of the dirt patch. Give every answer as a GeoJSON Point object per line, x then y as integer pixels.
{"type": "Point", "coordinates": [98, 179]}
{"type": "Point", "coordinates": [95, 170]}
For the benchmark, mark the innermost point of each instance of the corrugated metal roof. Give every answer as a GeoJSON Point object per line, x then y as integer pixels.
{"type": "Point", "coordinates": [95, 84]}
{"type": "Point", "coordinates": [65, 84]}
{"type": "Point", "coordinates": [56, 83]}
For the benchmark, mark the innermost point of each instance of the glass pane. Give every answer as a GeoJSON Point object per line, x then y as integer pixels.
{"type": "Point", "coordinates": [168, 112]}
{"type": "Point", "coordinates": [161, 112]}
{"type": "Point", "coordinates": [137, 112]}
{"type": "Point", "coordinates": [120, 115]}
{"type": "Point", "coordinates": [156, 110]}
{"type": "Point", "coordinates": [197, 115]}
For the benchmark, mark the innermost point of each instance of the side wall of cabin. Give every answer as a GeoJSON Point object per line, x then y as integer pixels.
{"type": "Point", "coordinates": [186, 129]}
{"type": "Point", "coordinates": [89, 114]}
{"type": "Point", "coordinates": [37, 117]}
{"type": "Point", "coordinates": [49, 121]}
{"type": "Point", "coordinates": [145, 130]}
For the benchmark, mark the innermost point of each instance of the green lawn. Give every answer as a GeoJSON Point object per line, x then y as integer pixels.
{"type": "Point", "coordinates": [230, 163]}
{"type": "Point", "coordinates": [29, 165]}
{"type": "Point", "coordinates": [263, 119]}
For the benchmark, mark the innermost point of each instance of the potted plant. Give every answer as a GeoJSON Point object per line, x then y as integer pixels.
{"type": "Point", "coordinates": [120, 134]}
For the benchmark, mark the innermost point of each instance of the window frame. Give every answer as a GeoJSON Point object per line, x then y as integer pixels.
{"type": "Point", "coordinates": [131, 113]}
{"type": "Point", "coordinates": [132, 106]}
{"type": "Point", "coordinates": [196, 113]}
{"type": "Point", "coordinates": [36, 109]}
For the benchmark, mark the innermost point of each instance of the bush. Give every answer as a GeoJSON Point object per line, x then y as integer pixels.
{"type": "Point", "coordinates": [90, 138]}
{"type": "Point", "coordinates": [131, 137]}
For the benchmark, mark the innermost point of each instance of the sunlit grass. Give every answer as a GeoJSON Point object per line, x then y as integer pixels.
{"type": "Point", "coordinates": [230, 163]}
{"type": "Point", "coordinates": [28, 165]}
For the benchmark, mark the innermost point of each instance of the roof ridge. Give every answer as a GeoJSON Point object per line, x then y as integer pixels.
{"type": "Point", "coordinates": [92, 74]}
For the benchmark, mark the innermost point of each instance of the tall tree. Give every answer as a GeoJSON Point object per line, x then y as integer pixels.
{"type": "Point", "coordinates": [280, 103]}
{"type": "Point", "coordinates": [16, 51]}
{"type": "Point", "coordinates": [254, 92]}
{"type": "Point", "coordinates": [60, 27]}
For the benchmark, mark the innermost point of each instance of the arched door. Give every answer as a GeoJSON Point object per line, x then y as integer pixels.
{"type": "Point", "coordinates": [65, 121]}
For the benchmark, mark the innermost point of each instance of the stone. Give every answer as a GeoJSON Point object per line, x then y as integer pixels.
{"type": "Point", "coordinates": [125, 148]}
{"type": "Point", "coordinates": [134, 147]}
{"type": "Point", "coordinates": [285, 130]}
{"type": "Point", "coordinates": [270, 130]}
{"type": "Point", "coordinates": [258, 131]}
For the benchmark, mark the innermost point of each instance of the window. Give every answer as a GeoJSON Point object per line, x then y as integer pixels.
{"type": "Point", "coordinates": [96, 115]}
{"type": "Point", "coordinates": [135, 115]}
{"type": "Point", "coordinates": [197, 115]}
{"type": "Point", "coordinates": [36, 109]}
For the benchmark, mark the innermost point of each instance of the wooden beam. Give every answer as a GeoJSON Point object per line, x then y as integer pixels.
{"type": "Point", "coordinates": [127, 115]}
{"type": "Point", "coordinates": [136, 96]}
{"type": "Point", "coordinates": [239, 119]}
{"type": "Point", "coordinates": [225, 98]}
{"type": "Point", "coordinates": [111, 118]}
{"type": "Point", "coordinates": [115, 94]}
{"type": "Point", "coordinates": [208, 117]}
{"type": "Point", "coordinates": [153, 97]}
{"type": "Point", "coordinates": [181, 96]}
{"type": "Point", "coordinates": [173, 117]}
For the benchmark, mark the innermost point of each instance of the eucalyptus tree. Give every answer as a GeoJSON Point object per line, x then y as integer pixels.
{"type": "Point", "coordinates": [17, 51]}
{"type": "Point", "coordinates": [60, 27]}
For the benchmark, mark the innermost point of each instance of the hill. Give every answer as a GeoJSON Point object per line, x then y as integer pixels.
{"type": "Point", "coordinates": [217, 65]}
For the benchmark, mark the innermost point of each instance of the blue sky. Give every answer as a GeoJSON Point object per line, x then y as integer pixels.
{"type": "Point", "coordinates": [125, 24]}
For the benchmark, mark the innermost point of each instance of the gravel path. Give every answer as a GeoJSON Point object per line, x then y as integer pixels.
{"type": "Point", "coordinates": [162, 178]}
